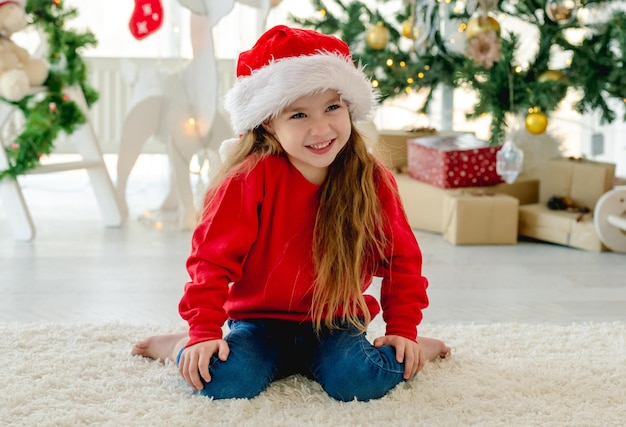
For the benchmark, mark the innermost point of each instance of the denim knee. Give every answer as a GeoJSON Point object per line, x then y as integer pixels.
{"type": "Point", "coordinates": [349, 367]}
{"type": "Point", "coordinates": [248, 370]}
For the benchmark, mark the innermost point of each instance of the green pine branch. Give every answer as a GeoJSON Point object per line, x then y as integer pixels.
{"type": "Point", "coordinates": [51, 112]}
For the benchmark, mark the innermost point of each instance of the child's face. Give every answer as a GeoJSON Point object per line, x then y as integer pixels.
{"type": "Point", "coordinates": [312, 131]}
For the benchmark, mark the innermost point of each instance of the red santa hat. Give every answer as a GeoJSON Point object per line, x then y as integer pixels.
{"type": "Point", "coordinates": [287, 63]}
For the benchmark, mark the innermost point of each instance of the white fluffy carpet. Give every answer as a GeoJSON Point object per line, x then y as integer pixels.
{"type": "Point", "coordinates": [499, 375]}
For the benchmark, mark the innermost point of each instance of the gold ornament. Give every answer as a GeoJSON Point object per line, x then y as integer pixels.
{"type": "Point", "coordinates": [536, 121]}
{"type": "Point", "coordinates": [408, 29]}
{"type": "Point", "coordinates": [551, 75]}
{"type": "Point", "coordinates": [377, 36]}
{"type": "Point", "coordinates": [481, 24]}
{"type": "Point", "coordinates": [561, 11]}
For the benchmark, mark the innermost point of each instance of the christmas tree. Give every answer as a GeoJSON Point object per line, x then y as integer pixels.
{"type": "Point", "coordinates": [418, 45]}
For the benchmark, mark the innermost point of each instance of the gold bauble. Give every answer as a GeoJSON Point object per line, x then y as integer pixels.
{"type": "Point", "coordinates": [377, 36]}
{"type": "Point", "coordinates": [482, 24]}
{"type": "Point", "coordinates": [551, 75]}
{"type": "Point", "coordinates": [408, 29]}
{"type": "Point", "coordinates": [536, 122]}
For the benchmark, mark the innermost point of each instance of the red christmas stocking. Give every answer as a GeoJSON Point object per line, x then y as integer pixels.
{"type": "Point", "coordinates": [147, 17]}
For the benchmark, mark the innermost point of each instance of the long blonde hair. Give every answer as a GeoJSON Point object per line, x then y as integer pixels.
{"type": "Point", "coordinates": [349, 227]}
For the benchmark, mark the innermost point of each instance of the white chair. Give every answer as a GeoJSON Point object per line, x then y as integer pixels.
{"type": "Point", "coordinates": [91, 160]}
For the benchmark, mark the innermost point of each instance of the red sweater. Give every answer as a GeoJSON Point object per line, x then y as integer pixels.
{"type": "Point", "coordinates": [251, 256]}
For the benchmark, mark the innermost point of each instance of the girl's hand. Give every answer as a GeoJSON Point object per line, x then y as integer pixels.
{"type": "Point", "coordinates": [407, 352]}
{"type": "Point", "coordinates": [194, 362]}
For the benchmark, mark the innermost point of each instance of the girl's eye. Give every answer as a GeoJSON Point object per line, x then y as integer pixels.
{"type": "Point", "coordinates": [298, 116]}
{"type": "Point", "coordinates": [333, 107]}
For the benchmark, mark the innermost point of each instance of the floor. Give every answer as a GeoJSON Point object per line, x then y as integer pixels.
{"type": "Point", "coordinates": [78, 270]}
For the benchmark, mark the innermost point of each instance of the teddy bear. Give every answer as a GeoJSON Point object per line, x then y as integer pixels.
{"type": "Point", "coordinates": [19, 72]}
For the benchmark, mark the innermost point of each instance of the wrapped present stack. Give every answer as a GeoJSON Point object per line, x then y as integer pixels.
{"type": "Point", "coordinates": [449, 185]}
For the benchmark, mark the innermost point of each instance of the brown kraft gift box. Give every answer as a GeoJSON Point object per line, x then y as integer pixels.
{"type": "Point", "coordinates": [480, 218]}
{"type": "Point", "coordinates": [560, 227]}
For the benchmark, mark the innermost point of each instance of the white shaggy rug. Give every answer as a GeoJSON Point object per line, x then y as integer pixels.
{"type": "Point", "coordinates": [499, 375]}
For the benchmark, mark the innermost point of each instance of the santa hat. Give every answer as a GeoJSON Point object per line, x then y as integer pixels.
{"type": "Point", "coordinates": [287, 63]}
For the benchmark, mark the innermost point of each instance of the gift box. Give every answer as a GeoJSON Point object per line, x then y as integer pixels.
{"type": "Point", "coordinates": [392, 145]}
{"type": "Point", "coordinates": [480, 218]}
{"type": "Point", "coordinates": [584, 181]}
{"type": "Point", "coordinates": [453, 161]}
{"type": "Point", "coordinates": [561, 227]}
{"type": "Point", "coordinates": [423, 203]}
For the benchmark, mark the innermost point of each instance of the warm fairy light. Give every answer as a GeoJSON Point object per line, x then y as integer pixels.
{"type": "Point", "coordinates": [407, 89]}
{"type": "Point", "coordinates": [420, 75]}
{"type": "Point", "coordinates": [191, 121]}
{"type": "Point", "coordinates": [389, 62]}
{"type": "Point", "coordinates": [375, 83]}
{"type": "Point", "coordinates": [323, 12]}
{"type": "Point", "coordinates": [427, 67]}
{"type": "Point", "coordinates": [410, 80]}
{"type": "Point", "coordinates": [402, 64]}
{"type": "Point", "coordinates": [518, 69]}
{"type": "Point", "coordinates": [158, 225]}
{"type": "Point", "coordinates": [462, 27]}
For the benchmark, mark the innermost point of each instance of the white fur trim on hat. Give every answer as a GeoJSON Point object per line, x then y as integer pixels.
{"type": "Point", "coordinates": [268, 90]}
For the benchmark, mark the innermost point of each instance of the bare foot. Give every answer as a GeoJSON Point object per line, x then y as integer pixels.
{"type": "Point", "coordinates": [160, 347]}
{"type": "Point", "coordinates": [434, 348]}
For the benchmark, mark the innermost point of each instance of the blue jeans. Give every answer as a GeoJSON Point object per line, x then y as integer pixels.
{"type": "Point", "coordinates": [343, 361]}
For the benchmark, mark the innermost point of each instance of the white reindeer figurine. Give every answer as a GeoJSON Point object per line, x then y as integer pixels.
{"type": "Point", "coordinates": [182, 110]}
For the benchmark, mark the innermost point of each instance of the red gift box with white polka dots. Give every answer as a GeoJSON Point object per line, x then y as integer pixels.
{"type": "Point", "coordinates": [453, 161]}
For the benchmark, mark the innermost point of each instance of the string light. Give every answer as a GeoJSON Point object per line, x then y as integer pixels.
{"type": "Point", "coordinates": [389, 62]}
{"type": "Point", "coordinates": [375, 83]}
{"type": "Point", "coordinates": [420, 75]}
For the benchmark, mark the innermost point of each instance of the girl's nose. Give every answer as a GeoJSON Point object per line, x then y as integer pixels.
{"type": "Point", "coordinates": [320, 126]}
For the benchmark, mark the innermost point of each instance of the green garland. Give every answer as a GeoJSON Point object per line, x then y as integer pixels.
{"type": "Point", "coordinates": [596, 71]}
{"type": "Point", "coordinates": [50, 112]}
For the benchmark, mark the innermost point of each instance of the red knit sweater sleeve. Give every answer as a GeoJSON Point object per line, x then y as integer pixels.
{"type": "Point", "coordinates": [403, 289]}
{"type": "Point", "coordinates": [219, 246]}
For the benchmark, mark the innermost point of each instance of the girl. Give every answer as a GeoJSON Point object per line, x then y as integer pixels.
{"type": "Point", "coordinates": [299, 220]}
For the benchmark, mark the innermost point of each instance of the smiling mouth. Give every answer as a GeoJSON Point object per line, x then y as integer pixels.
{"type": "Point", "coordinates": [320, 146]}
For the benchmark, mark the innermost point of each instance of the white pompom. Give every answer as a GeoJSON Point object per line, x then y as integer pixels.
{"type": "Point", "coordinates": [227, 148]}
